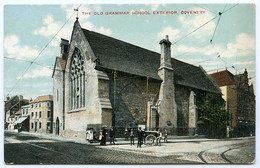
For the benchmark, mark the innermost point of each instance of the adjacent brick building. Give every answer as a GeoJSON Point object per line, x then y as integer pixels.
{"type": "Point", "coordinates": [102, 81]}
{"type": "Point", "coordinates": [41, 114]}
{"type": "Point", "coordinates": [240, 101]}
{"type": "Point", "coordinates": [12, 106]}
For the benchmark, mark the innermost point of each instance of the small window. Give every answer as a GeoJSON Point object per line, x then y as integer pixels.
{"type": "Point", "coordinates": [36, 105]}
{"type": "Point", "coordinates": [49, 114]}
{"type": "Point", "coordinates": [40, 104]}
{"type": "Point", "coordinates": [32, 115]}
{"type": "Point", "coordinates": [32, 106]}
{"type": "Point", "coordinates": [26, 111]}
{"type": "Point", "coordinates": [32, 126]}
{"type": "Point", "coordinates": [40, 114]}
{"type": "Point", "coordinates": [35, 114]}
{"type": "Point", "coordinates": [40, 125]}
{"type": "Point", "coordinates": [48, 125]}
{"type": "Point", "coordinates": [48, 104]}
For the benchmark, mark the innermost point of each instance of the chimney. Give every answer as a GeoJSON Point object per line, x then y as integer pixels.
{"type": "Point", "coordinates": [167, 108]}
{"type": "Point", "coordinates": [64, 45]}
{"type": "Point", "coordinates": [20, 97]}
{"type": "Point", "coordinates": [165, 53]}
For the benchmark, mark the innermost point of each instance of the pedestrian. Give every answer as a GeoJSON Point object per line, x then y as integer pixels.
{"type": "Point", "coordinates": [103, 138]}
{"type": "Point", "coordinates": [132, 140]}
{"type": "Point", "coordinates": [165, 135]}
{"type": "Point", "coordinates": [100, 137]}
{"type": "Point", "coordinates": [140, 137]}
{"type": "Point", "coordinates": [112, 134]}
{"type": "Point", "coordinates": [159, 137]}
{"type": "Point", "coordinates": [126, 134]}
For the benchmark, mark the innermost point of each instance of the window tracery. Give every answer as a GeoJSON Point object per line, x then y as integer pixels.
{"type": "Point", "coordinates": [77, 81]}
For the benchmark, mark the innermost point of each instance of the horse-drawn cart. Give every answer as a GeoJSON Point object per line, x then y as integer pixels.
{"type": "Point", "coordinates": [151, 137]}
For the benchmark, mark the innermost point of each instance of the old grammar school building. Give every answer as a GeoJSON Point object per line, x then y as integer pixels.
{"type": "Point", "coordinates": [100, 81]}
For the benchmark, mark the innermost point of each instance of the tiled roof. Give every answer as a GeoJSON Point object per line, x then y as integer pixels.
{"type": "Point", "coordinates": [19, 112]}
{"type": "Point", "coordinates": [43, 98]}
{"type": "Point", "coordinates": [223, 78]}
{"type": "Point", "coordinates": [125, 57]}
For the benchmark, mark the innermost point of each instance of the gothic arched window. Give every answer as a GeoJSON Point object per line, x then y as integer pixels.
{"type": "Point", "coordinates": [77, 81]}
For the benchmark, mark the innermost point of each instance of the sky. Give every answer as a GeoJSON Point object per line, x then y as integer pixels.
{"type": "Point", "coordinates": [32, 36]}
{"type": "Point", "coordinates": [29, 32]}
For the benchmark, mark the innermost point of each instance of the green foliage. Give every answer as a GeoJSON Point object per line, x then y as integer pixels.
{"type": "Point", "coordinates": [211, 111]}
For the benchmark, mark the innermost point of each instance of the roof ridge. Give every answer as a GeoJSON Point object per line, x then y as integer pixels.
{"type": "Point", "coordinates": [119, 40]}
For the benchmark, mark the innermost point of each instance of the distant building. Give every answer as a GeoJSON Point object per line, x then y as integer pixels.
{"type": "Point", "coordinates": [22, 122]}
{"type": "Point", "coordinates": [12, 106]}
{"type": "Point", "coordinates": [240, 101]}
{"type": "Point", "coordinates": [41, 114]}
{"type": "Point", "coordinates": [26, 110]}
{"type": "Point", "coordinates": [100, 81]}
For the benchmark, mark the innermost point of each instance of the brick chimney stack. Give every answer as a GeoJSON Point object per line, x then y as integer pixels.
{"type": "Point", "coordinates": [167, 109]}
{"type": "Point", "coordinates": [64, 45]}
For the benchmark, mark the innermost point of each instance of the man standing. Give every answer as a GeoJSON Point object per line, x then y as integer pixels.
{"type": "Point", "coordinates": [126, 134]}
{"type": "Point", "coordinates": [112, 134]}
{"type": "Point", "coordinates": [132, 141]}
{"type": "Point", "coordinates": [159, 137]}
{"type": "Point", "coordinates": [165, 135]}
{"type": "Point", "coordinates": [140, 137]}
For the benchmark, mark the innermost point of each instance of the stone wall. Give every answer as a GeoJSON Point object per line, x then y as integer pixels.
{"type": "Point", "coordinates": [182, 100]}
{"type": "Point", "coordinates": [58, 100]}
{"type": "Point", "coordinates": [78, 120]}
{"type": "Point", "coordinates": [131, 100]}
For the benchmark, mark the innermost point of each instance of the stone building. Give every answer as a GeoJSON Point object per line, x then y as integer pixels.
{"type": "Point", "coordinates": [12, 105]}
{"type": "Point", "coordinates": [102, 81]}
{"type": "Point", "coordinates": [240, 101]}
{"type": "Point", "coordinates": [41, 114]}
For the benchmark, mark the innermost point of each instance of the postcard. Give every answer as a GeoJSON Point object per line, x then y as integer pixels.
{"type": "Point", "coordinates": [129, 84]}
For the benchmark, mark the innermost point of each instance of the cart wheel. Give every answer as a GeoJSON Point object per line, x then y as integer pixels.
{"type": "Point", "coordinates": [150, 140]}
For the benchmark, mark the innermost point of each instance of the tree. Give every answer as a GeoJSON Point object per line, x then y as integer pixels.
{"type": "Point", "coordinates": [212, 115]}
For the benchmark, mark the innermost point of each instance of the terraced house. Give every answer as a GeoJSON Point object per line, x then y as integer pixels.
{"type": "Point", "coordinates": [100, 81]}
{"type": "Point", "coordinates": [41, 114]}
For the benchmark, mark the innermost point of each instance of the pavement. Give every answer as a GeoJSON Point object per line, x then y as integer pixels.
{"type": "Point", "coordinates": [122, 141]}
{"type": "Point", "coordinates": [118, 141]}
{"type": "Point", "coordinates": [192, 149]}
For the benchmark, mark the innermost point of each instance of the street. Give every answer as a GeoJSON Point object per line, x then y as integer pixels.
{"type": "Point", "coordinates": [26, 148]}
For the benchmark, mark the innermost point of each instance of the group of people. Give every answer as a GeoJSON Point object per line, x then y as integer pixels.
{"type": "Point", "coordinates": [140, 136]}
{"type": "Point", "coordinates": [102, 136]}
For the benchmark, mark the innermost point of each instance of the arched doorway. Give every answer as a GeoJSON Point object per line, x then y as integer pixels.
{"type": "Point", "coordinates": [57, 126]}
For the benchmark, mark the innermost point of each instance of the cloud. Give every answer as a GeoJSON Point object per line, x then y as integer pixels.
{"type": "Point", "coordinates": [172, 33]}
{"type": "Point", "coordinates": [245, 63]}
{"type": "Point", "coordinates": [191, 22]}
{"type": "Point", "coordinates": [51, 26]}
{"type": "Point", "coordinates": [102, 30]}
{"type": "Point", "coordinates": [202, 50]}
{"type": "Point", "coordinates": [244, 45]}
{"type": "Point", "coordinates": [43, 72]}
{"type": "Point", "coordinates": [14, 50]}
